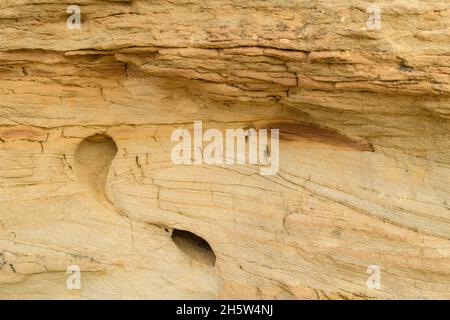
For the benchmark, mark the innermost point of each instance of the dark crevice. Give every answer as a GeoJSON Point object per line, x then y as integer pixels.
{"type": "Point", "coordinates": [194, 246]}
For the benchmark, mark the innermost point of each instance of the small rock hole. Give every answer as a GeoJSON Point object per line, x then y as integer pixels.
{"type": "Point", "coordinates": [194, 246]}
{"type": "Point", "coordinates": [403, 65]}
{"type": "Point", "coordinates": [93, 159]}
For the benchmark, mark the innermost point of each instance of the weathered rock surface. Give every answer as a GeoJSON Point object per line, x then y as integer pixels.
{"type": "Point", "coordinates": [86, 176]}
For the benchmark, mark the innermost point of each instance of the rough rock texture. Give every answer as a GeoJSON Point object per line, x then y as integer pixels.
{"type": "Point", "coordinates": [86, 176]}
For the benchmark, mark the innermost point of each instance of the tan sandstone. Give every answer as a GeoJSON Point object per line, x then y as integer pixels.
{"type": "Point", "coordinates": [364, 118]}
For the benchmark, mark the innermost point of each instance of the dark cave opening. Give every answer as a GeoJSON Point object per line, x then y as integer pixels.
{"type": "Point", "coordinates": [194, 246]}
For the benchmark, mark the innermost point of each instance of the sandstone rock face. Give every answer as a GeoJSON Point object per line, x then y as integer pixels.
{"type": "Point", "coordinates": [87, 178]}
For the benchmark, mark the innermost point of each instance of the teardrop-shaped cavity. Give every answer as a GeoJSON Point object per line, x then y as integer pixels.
{"type": "Point", "coordinates": [93, 159]}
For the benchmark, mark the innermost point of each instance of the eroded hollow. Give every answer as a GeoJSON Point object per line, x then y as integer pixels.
{"type": "Point", "coordinates": [93, 159]}
{"type": "Point", "coordinates": [194, 246]}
